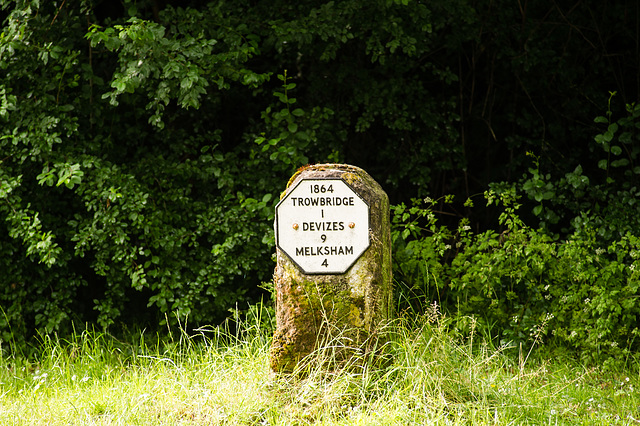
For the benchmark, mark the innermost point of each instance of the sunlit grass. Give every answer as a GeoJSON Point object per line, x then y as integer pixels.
{"type": "Point", "coordinates": [213, 377]}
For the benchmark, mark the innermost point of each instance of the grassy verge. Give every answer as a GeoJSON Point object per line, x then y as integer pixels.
{"type": "Point", "coordinates": [220, 378]}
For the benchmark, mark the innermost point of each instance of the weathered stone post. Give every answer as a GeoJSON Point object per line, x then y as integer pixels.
{"type": "Point", "coordinates": [333, 272]}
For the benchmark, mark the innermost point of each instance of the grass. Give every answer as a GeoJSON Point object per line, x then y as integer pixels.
{"type": "Point", "coordinates": [212, 377]}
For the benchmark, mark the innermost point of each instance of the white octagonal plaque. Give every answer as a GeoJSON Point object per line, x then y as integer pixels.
{"type": "Point", "coordinates": [323, 226]}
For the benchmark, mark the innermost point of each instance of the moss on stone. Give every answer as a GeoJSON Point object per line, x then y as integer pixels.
{"type": "Point", "coordinates": [354, 305]}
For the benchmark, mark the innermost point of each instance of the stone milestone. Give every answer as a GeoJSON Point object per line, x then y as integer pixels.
{"type": "Point", "coordinates": [333, 273]}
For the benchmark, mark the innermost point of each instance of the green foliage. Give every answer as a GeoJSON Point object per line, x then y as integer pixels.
{"type": "Point", "coordinates": [522, 285]}
{"type": "Point", "coordinates": [604, 198]}
{"type": "Point", "coordinates": [143, 145]}
{"type": "Point", "coordinates": [419, 247]}
{"type": "Point", "coordinates": [578, 290]}
{"type": "Point", "coordinates": [103, 214]}
{"type": "Point", "coordinates": [179, 62]}
{"type": "Point", "coordinates": [294, 130]}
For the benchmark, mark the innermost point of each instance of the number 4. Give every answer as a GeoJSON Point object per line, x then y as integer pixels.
{"type": "Point", "coordinates": [325, 263]}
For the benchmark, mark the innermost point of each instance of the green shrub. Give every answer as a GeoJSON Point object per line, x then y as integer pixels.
{"type": "Point", "coordinates": [143, 143]}
{"type": "Point", "coordinates": [118, 201]}
{"type": "Point", "coordinates": [523, 286]}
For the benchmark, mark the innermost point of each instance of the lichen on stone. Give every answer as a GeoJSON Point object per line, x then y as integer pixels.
{"type": "Point", "coordinates": [350, 307]}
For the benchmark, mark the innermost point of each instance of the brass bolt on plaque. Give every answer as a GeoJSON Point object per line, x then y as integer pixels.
{"type": "Point", "coordinates": [352, 225]}
{"type": "Point", "coordinates": [295, 226]}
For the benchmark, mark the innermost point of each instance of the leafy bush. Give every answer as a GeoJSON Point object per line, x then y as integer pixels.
{"type": "Point", "coordinates": [522, 285]}
{"type": "Point", "coordinates": [143, 143]}
{"type": "Point", "coordinates": [108, 218]}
